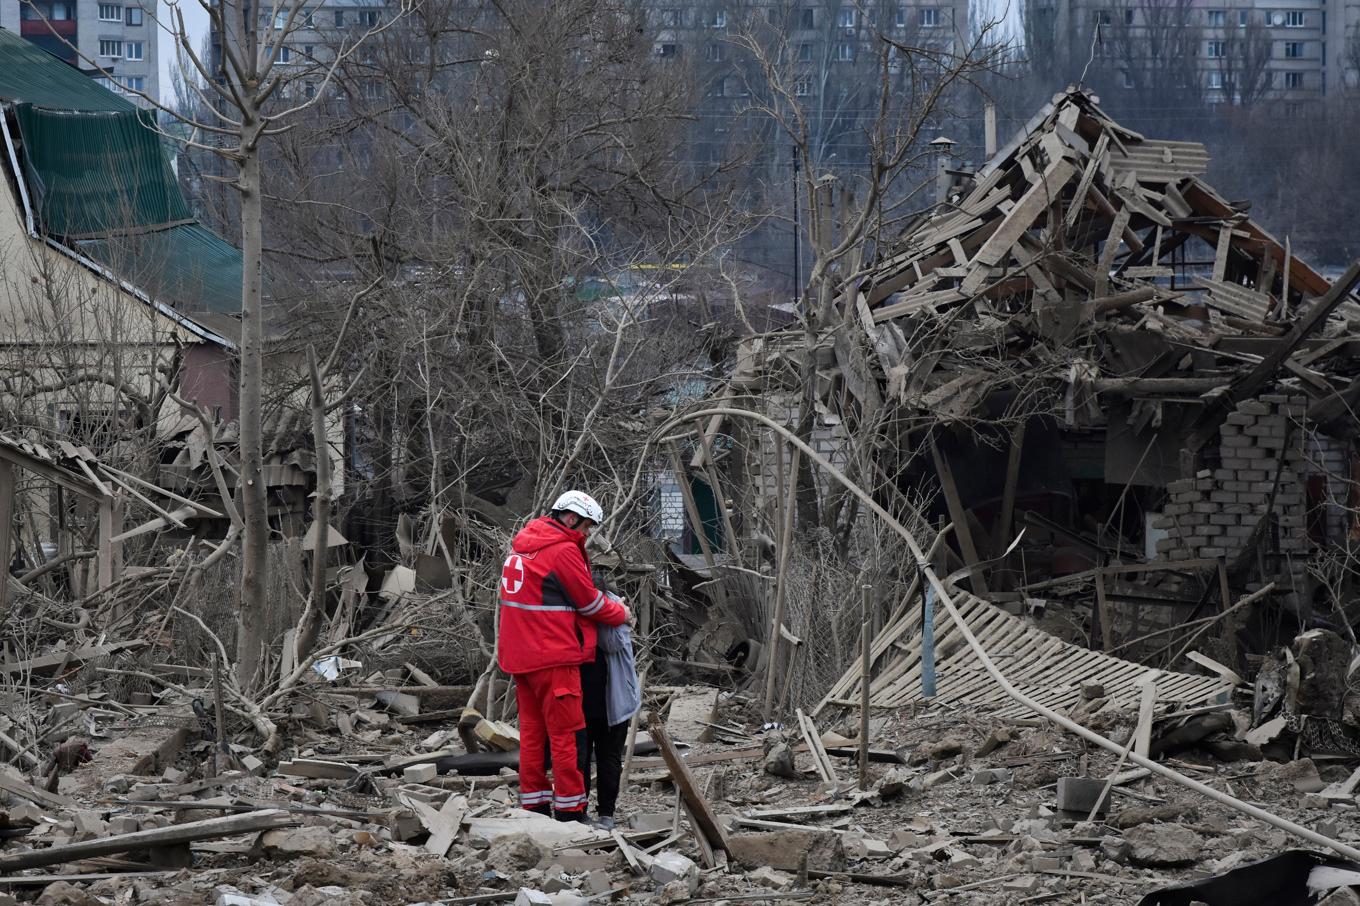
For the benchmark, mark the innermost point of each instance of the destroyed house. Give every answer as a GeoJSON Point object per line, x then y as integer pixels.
{"type": "Point", "coordinates": [99, 248]}
{"type": "Point", "coordinates": [1087, 343]}
{"type": "Point", "coordinates": [109, 284]}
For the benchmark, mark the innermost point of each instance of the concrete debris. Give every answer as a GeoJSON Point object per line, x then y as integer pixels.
{"type": "Point", "coordinates": [771, 878]}
{"type": "Point", "coordinates": [291, 843]}
{"type": "Point", "coordinates": [514, 852]}
{"type": "Point", "coordinates": [1343, 896]}
{"type": "Point", "coordinates": [671, 866]}
{"type": "Point", "coordinates": [1161, 845]}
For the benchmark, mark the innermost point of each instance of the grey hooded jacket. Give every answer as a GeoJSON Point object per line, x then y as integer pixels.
{"type": "Point", "coordinates": [623, 695]}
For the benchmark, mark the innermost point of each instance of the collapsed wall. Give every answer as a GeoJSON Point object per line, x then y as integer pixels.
{"type": "Point", "coordinates": [1274, 480]}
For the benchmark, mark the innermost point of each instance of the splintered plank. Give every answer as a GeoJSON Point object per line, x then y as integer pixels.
{"type": "Point", "coordinates": [705, 821]}
{"type": "Point", "coordinates": [1019, 220]}
{"type": "Point", "coordinates": [209, 829]}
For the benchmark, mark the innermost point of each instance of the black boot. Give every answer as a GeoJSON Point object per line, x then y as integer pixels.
{"type": "Point", "coordinates": [579, 816]}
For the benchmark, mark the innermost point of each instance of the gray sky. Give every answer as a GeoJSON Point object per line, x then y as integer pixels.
{"type": "Point", "coordinates": [195, 21]}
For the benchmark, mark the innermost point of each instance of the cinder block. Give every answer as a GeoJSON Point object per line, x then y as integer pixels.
{"type": "Point", "coordinates": [1204, 507]}
{"type": "Point", "coordinates": [1222, 497]}
{"type": "Point", "coordinates": [1222, 519]}
{"type": "Point", "coordinates": [1176, 509]}
{"type": "Point", "coordinates": [1208, 551]}
{"type": "Point", "coordinates": [1234, 440]}
{"type": "Point", "coordinates": [1251, 475]}
{"type": "Point", "coordinates": [1079, 794]}
{"type": "Point", "coordinates": [1180, 485]}
{"type": "Point", "coordinates": [1254, 407]}
{"type": "Point", "coordinates": [1211, 530]}
{"type": "Point", "coordinates": [1240, 418]}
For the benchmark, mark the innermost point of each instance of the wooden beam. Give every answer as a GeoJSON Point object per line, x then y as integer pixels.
{"type": "Point", "coordinates": [1103, 610]}
{"type": "Point", "coordinates": [1246, 387]}
{"type": "Point", "coordinates": [697, 523]}
{"type": "Point", "coordinates": [1005, 522]}
{"type": "Point", "coordinates": [705, 821]}
{"type": "Point", "coordinates": [958, 516]}
{"type": "Point", "coordinates": [209, 829]}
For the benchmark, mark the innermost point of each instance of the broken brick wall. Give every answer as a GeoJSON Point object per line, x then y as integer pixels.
{"type": "Point", "coordinates": [1213, 514]}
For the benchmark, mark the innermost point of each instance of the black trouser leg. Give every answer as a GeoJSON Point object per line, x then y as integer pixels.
{"type": "Point", "coordinates": [609, 743]}
{"type": "Point", "coordinates": [585, 742]}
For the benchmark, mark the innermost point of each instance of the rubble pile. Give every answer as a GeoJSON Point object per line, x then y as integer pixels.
{"type": "Point", "coordinates": [954, 808]}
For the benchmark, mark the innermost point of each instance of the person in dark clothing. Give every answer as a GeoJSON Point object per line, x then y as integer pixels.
{"type": "Point", "coordinates": [601, 741]}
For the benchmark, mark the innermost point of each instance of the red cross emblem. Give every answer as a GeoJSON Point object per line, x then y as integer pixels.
{"type": "Point", "coordinates": [512, 579]}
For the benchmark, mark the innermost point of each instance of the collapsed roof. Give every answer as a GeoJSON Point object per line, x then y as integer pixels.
{"type": "Point", "coordinates": [1086, 261]}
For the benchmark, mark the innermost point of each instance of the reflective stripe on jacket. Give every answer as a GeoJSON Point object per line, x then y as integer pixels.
{"type": "Point", "coordinates": [549, 603]}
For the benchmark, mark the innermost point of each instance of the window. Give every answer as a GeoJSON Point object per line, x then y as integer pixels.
{"type": "Point", "coordinates": [900, 18]}
{"type": "Point", "coordinates": [1214, 50]}
{"type": "Point", "coordinates": [929, 17]}
{"type": "Point", "coordinates": [845, 52]}
{"type": "Point", "coordinates": [1243, 16]}
{"type": "Point", "coordinates": [283, 54]}
{"type": "Point", "coordinates": [670, 18]}
{"type": "Point", "coordinates": [135, 83]}
{"type": "Point", "coordinates": [1128, 17]}
{"type": "Point", "coordinates": [1217, 18]}
{"type": "Point", "coordinates": [110, 48]}
{"type": "Point", "coordinates": [668, 50]}
{"type": "Point", "coordinates": [133, 50]}
{"type": "Point", "coordinates": [1215, 80]}
{"type": "Point", "coordinates": [309, 90]}
{"type": "Point", "coordinates": [720, 88]}
{"type": "Point", "coordinates": [307, 20]}
{"type": "Point", "coordinates": [719, 19]}
{"type": "Point", "coordinates": [1293, 50]}
{"type": "Point", "coordinates": [105, 82]}
{"type": "Point", "coordinates": [714, 53]}
{"type": "Point", "coordinates": [307, 52]}
{"type": "Point", "coordinates": [846, 17]}
{"type": "Point", "coordinates": [368, 18]}
{"type": "Point", "coordinates": [803, 87]}
{"type": "Point", "coordinates": [110, 12]}
{"type": "Point", "coordinates": [805, 53]}
{"type": "Point", "coordinates": [1101, 17]}
{"type": "Point", "coordinates": [339, 18]}
{"type": "Point", "coordinates": [1128, 79]}
{"type": "Point", "coordinates": [772, 16]}
{"type": "Point", "coordinates": [133, 15]}
{"type": "Point", "coordinates": [1293, 80]}
{"type": "Point", "coordinates": [1293, 19]}
{"type": "Point", "coordinates": [807, 18]}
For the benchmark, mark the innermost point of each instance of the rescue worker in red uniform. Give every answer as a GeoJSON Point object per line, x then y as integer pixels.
{"type": "Point", "coordinates": [549, 606]}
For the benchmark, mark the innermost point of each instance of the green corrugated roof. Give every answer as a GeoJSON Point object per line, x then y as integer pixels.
{"type": "Point", "coordinates": [31, 75]}
{"type": "Point", "coordinates": [93, 173]}
{"type": "Point", "coordinates": [99, 179]}
{"type": "Point", "coordinates": [189, 264]}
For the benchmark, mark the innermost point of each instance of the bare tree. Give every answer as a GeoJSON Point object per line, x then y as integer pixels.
{"type": "Point", "coordinates": [1244, 65]}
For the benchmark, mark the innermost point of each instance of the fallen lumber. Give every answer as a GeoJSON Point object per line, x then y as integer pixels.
{"type": "Point", "coordinates": [705, 821]}
{"type": "Point", "coordinates": [16, 787]}
{"type": "Point", "coordinates": [984, 658]}
{"type": "Point", "coordinates": [210, 829]}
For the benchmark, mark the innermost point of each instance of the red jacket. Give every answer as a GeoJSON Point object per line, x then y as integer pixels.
{"type": "Point", "coordinates": [549, 603]}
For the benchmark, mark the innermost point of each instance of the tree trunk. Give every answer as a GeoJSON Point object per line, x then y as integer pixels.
{"type": "Point", "coordinates": [254, 502]}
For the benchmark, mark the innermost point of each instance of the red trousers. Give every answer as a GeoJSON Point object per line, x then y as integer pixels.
{"type": "Point", "coordinates": [550, 711]}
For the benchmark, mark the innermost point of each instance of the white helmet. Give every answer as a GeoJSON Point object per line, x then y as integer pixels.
{"type": "Point", "coordinates": [582, 504]}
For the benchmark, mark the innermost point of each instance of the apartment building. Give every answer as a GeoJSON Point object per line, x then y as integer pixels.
{"type": "Point", "coordinates": [1234, 51]}
{"type": "Point", "coordinates": [117, 39]}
